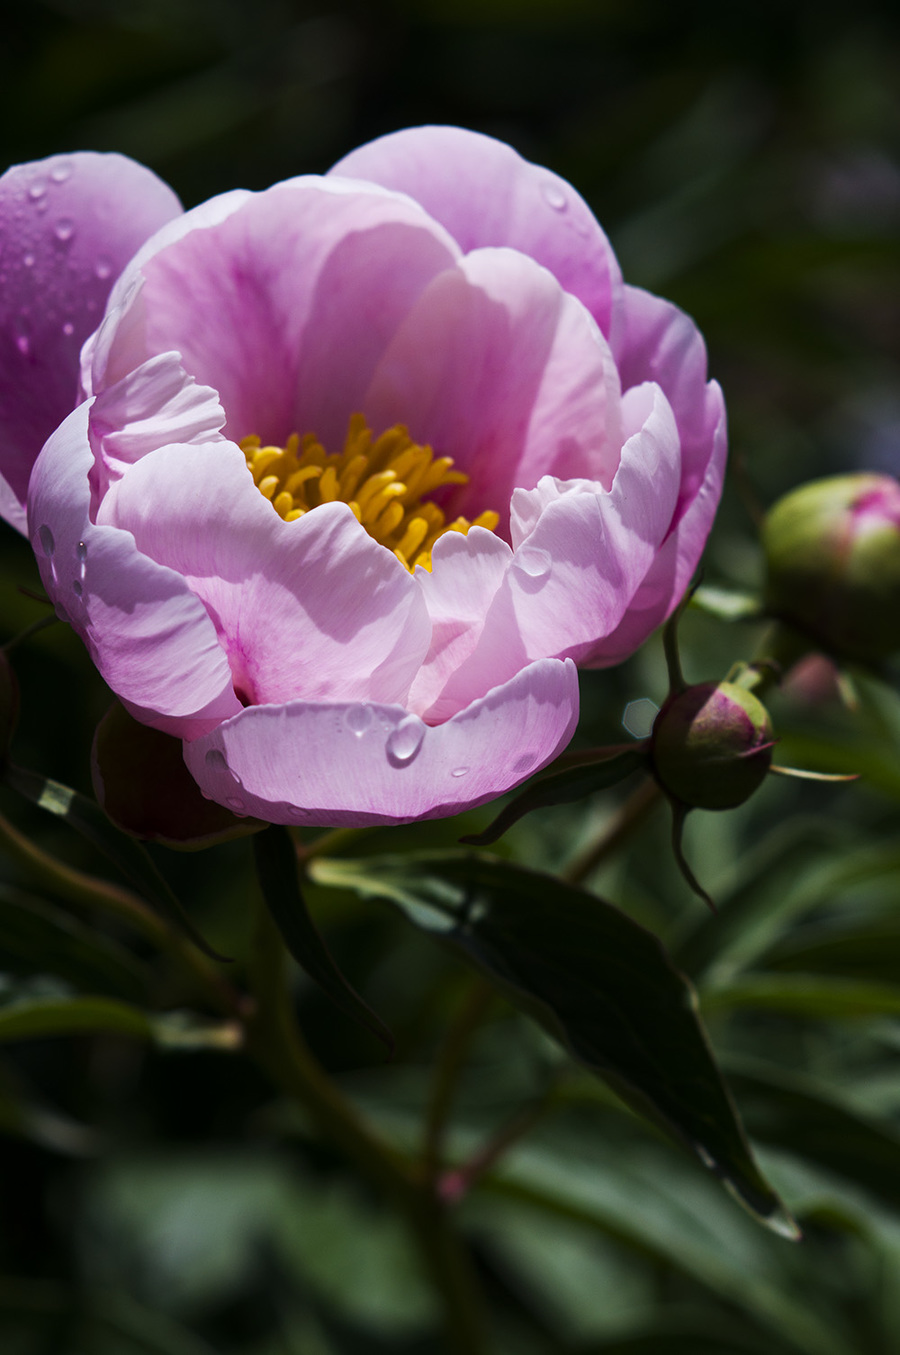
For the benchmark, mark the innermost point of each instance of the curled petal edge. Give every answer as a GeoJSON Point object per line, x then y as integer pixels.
{"type": "Point", "coordinates": [355, 765]}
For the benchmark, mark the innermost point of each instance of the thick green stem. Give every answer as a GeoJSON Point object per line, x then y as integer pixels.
{"type": "Point", "coordinates": [275, 1040]}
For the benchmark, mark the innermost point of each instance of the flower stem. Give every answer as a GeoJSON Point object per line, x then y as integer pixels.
{"type": "Point", "coordinates": [449, 1066]}
{"type": "Point", "coordinates": [87, 891]}
{"type": "Point", "coordinates": [275, 1040]}
{"type": "Point", "coordinates": [614, 834]}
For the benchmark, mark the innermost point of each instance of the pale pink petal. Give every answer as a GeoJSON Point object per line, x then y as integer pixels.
{"type": "Point", "coordinates": [497, 367]}
{"type": "Point", "coordinates": [574, 575]}
{"type": "Point", "coordinates": [486, 194]}
{"type": "Point", "coordinates": [674, 566]}
{"type": "Point", "coordinates": [150, 638]}
{"type": "Point", "coordinates": [284, 306]}
{"type": "Point", "coordinates": [68, 225]}
{"type": "Point", "coordinates": [352, 764]}
{"type": "Point", "coordinates": [154, 405]}
{"type": "Point", "coordinates": [465, 574]}
{"type": "Point", "coordinates": [312, 608]}
{"type": "Point", "coordinates": [661, 343]}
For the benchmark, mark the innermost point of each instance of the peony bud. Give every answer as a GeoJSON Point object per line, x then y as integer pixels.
{"type": "Point", "coordinates": [712, 745]}
{"type": "Point", "coordinates": [833, 564]}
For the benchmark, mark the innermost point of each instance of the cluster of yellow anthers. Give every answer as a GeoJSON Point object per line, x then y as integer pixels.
{"type": "Point", "coordinates": [384, 480]}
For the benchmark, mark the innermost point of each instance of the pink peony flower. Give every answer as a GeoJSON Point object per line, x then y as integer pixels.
{"type": "Point", "coordinates": [364, 465]}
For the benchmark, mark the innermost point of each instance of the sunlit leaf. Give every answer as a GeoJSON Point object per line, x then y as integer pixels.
{"type": "Point", "coordinates": [804, 995]}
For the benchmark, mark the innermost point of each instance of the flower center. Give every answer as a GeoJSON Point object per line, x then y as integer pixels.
{"type": "Point", "coordinates": [384, 480]}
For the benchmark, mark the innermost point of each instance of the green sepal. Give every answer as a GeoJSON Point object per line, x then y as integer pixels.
{"type": "Point", "coordinates": [144, 787]}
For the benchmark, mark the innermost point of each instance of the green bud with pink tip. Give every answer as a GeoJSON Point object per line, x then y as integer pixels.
{"type": "Point", "coordinates": [711, 745]}
{"type": "Point", "coordinates": [833, 564]}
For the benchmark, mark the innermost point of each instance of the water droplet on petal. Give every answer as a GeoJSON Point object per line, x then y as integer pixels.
{"type": "Point", "coordinates": [533, 561]}
{"type": "Point", "coordinates": [358, 719]}
{"type": "Point", "coordinates": [405, 741]}
{"type": "Point", "coordinates": [23, 344]}
{"type": "Point", "coordinates": [45, 536]}
{"type": "Point", "coordinates": [28, 260]}
{"type": "Point", "coordinates": [554, 196]}
{"type": "Point", "coordinates": [103, 268]}
{"type": "Point", "coordinates": [68, 329]}
{"type": "Point", "coordinates": [37, 189]}
{"type": "Point", "coordinates": [81, 552]}
{"type": "Point", "coordinates": [62, 171]}
{"type": "Point", "coordinates": [77, 587]}
{"type": "Point", "coordinates": [215, 760]}
{"type": "Point", "coordinates": [460, 771]}
{"type": "Point", "coordinates": [64, 230]}
{"type": "Point", "coordinates": [235, 804]}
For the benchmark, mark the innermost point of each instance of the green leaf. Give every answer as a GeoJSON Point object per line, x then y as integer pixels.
{"type": "Point", "coordinates": [797, 1112]}
{"type": "Point", "coordinates": [32, 1018]}
{"type": "Point", "coordinates": [804, 995]}
{"type": "Point", "coordinates": [726, 604]}
{"type": "Point", "coordinates": [603, 986]}
{"type": "Point", "coordinates": [276, 866]}
{"type": "Point", "coordinates": [597, 769]}
{"type": "Point", "coordinates": [35, 936]}
{"type": "Point", "coordinates": [88, 819]}
{"type": "Point", "coordinates": [141, 780]}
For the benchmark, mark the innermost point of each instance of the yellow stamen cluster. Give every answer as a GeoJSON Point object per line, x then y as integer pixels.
{"type": "Point", "coordinates": [384, 481]}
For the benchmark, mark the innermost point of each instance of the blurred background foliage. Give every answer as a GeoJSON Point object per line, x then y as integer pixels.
{"type": "Point", "coordinates": [745, 160]}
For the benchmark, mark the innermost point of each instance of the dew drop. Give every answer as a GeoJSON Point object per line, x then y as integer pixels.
{"type": "Point", "coordinates": [28, 260]}
{"type": "Point", "coordinates": [37, 190]}
{"type": "Point", "coordinates": [23, 345]}
{"type": "Point", "coordinates": [460, 771]}
{"type": "Point", "coordinates": [405, 741]}
{"type": "Point", "coordinates": [215, 760]}
{"type": "Point", "coordinates": [61, 172]}
{"type": "Point", "coordinates": [103, 268]}
{"type": "Point", "coordinates": [64, 229]}
{"type": "Point", "coordinates": [68, 329]}
{"type": "Point", "coordinates": [533, 561]}
{"type": "Point", "coordinates": [358, 719]}
{"type": "Point", "coordinates": [81, 552]}
{"type": "Point", "coordinates": [235, 804]}
{"type": "Point", "coordinates": [45, 536]}
{"type": "Point", "coordinates": [77, 587]}
{"type": "Point", "coordinates": [554, 197]}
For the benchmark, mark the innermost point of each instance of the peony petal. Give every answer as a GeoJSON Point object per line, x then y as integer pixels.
{"type": "Point", "coordinates": [355, 765]}
{"type": "Point", "coordinates": [497, 367]}
{"type": "Point", "coordinates": [151, 639]}
{"type": "Point", "coordinates": [312, 608]}
{"type": "Point", "coordinates": [674, 566]}
{"type": "Point", "coordinates": [285, 305]}
{"type": "Point", "coordinates": [465, 574]}
{"type": "Point", "coordinates": [661, 343]}
{"type": "Point", "coordinates": [68, 225]}
{"type": "Point", "coordinates": [154, 405]}
{"type": "Point", "coordinates": [574, 574]}
{"type": "Point", "coordinates": [484, 193]}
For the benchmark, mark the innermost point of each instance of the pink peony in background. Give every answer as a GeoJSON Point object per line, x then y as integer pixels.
{"type": "Point", "coordinates": [322, 668]}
